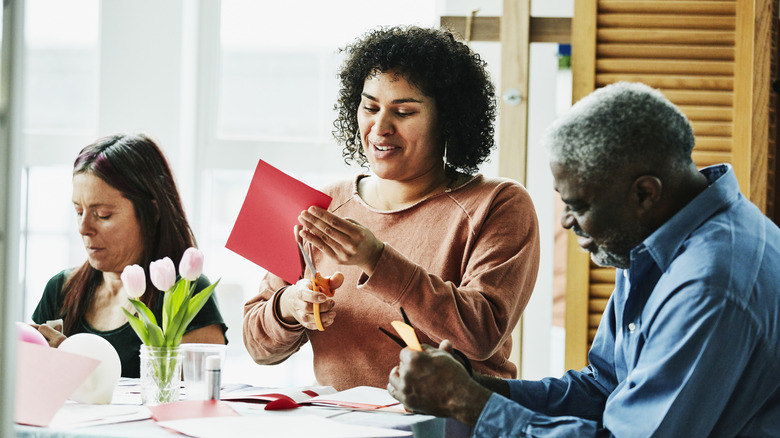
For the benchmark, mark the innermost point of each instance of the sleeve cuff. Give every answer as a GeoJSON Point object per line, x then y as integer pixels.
{"type": "Point", "coordinates": [390, 282]}
{"type": "Point", "coordinates": [502, 417]}
{"type": "Point", "coordinates": [276, 312]}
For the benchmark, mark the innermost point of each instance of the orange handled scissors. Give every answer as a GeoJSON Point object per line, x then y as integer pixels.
{"type": "Point", "coordinates": [318, 283]}
{"type": "Point", "coordinates": [407, 338]}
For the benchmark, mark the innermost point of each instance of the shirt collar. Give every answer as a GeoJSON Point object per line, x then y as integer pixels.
{"type": "Point", "coordinates": [664, 243]}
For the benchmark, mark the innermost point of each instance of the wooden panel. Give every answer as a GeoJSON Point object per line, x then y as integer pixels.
{"type": "Point", "coordinates": [669, 7]}
{"type": "Point", "coordinates": [482, 28]}
{"type": "Point", "coordinates": [712, 59]}
{"type": "Point", "coordinates": [722, 83]}
{"type": "Point", "coordinates": [676, 51]}
{"type": "Point", "coordinates": [665, 36]}
{"type": "Point", "coordinates": [720, 144]}
{"type": "Point", "coordinates": [773, 195]}
{"type": "Point", "coordinates": [602, 275]}
{"type": "Point", "coordinates": [712, 128]}
{"type": "Point", "coordinates": [542, 29]}
{"type": "Point", "coordinates": [673, 66]}
{"type": "Point", "coordinates": [639, 21]}
{"type": "Point", "coordinates": [705, 97]}
{"type": "Point", "coordinates": [551, 30]}
{"type": "Point", "coordinates": [597, 305]}
{"type": "Point", "coordinates": [756, 32]}
{"type": "Point", "coordinates": [708, 158]}
{"type": "Point", "coordinates": [583, 54]}
{"type": "Point", "coordinates": [703, 112]}
{"type": "Point", "coordinates": [602, 290]}
{"type": "Point", "coordinates": [577, 264]}
{"type": "Point", "coordinates": [513, 119]}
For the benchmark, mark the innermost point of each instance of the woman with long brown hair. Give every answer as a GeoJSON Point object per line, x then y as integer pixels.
{"type": "Point", "coordinates": [129, 212]}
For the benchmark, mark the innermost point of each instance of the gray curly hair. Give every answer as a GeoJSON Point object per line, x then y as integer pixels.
{"type": "Point", "coordinates": [620, 125]}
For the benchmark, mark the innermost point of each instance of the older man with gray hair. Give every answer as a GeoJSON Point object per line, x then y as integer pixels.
{"type": "Point", "coordinates": [689, 344]}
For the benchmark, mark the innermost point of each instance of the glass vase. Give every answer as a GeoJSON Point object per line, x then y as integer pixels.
{"type": "Point", "coordinates": [160, 374]}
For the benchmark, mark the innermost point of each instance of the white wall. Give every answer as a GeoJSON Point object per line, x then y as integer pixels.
{"type": "Point", "coordinates": [141, 69]}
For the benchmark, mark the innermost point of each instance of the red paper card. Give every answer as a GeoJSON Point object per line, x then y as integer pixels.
{"type": "Point", "coordinates": [263, 232]}
{"type": "Point", "coordinates": [185, 409]}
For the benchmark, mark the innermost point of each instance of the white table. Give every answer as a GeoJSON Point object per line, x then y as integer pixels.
{"type": "Point", "coordinates": [422, 426]}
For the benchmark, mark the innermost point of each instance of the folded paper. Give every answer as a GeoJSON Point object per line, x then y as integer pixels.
{"type": "Point", "coordinates": [45, 378]}
{"type": "Point", "coordinates": [361, 398]}
{"type": "Point", "coordinates": [290, 397]}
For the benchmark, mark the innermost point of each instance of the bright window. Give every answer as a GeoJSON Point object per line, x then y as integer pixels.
{"type": "Point", "coordinates": [60, 103]}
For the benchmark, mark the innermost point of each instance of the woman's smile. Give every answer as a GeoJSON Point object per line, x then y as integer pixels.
{"type": "Point", "coordinates": [399, 128]}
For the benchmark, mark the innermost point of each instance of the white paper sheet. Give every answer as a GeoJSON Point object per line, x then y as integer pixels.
{"type": "Point", "coordinates": [360, 398]}
{"type": "Point", "coordinates": [281, 426]}
{"type": "Point", "coordinates": [82, 415]}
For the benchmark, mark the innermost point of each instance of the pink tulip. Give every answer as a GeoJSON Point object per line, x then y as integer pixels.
{"type": "Point", "coordinates": [134, 281]}
{"type": "Point", "coordinates": [191, 264]}
{"type": "Point", "coordinates": [163, 274]}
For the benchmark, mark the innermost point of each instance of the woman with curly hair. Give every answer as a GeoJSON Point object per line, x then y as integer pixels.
{"type": "Point", "coordinates": [423, 231]}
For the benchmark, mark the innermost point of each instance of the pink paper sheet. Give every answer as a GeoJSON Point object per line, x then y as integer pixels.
{"type": "Point", "coordinates": [45, 378]}
{"type": "Point", "coordinates": [263, 232]}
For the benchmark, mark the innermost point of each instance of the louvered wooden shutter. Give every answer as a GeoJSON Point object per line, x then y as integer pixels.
{"type": "Point", "coordinates": [716, 61]}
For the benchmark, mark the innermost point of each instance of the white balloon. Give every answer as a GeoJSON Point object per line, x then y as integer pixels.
{"type": "Point", "coordinates": [99, 386]}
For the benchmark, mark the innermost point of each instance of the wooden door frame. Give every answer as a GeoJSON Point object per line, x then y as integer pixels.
{"type": "Point", "coordinates": [515, 30]}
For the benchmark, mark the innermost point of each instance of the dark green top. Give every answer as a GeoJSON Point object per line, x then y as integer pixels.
{"type": "Point", "coordinates": [124, 339]}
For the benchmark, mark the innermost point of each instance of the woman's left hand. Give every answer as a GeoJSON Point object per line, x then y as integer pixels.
{"type": "Point", "coordinates": [53, 337]}
{"type": "Point", "coordinates": [342, 239]}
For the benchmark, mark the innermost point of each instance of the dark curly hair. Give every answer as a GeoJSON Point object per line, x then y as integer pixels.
{"type": "Point", "coordinates": [440, 67]}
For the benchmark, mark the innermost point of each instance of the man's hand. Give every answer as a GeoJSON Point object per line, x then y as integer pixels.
{"type": "Point", "coordinates": [435, 383]}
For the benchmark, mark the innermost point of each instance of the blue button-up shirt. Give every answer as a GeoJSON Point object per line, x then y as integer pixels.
{"type": "Point", "coordinates": [689, 344]}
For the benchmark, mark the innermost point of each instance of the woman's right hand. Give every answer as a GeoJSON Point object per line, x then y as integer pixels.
{"type": "Point", "coordinates": [296, 305]}
{"type": "Point", "coordinates": [341, 239]}
{"type": "Point", "coordinates": [53, 337]}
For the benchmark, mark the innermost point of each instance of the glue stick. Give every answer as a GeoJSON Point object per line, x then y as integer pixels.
{"type": "Point", "coordinates": [213, 377]}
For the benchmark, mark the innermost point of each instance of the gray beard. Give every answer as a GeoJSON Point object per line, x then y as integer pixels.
{"type": "Point", "coordinates": [622, 242]}
{"type": "Point", "coordinates": [608, 259]}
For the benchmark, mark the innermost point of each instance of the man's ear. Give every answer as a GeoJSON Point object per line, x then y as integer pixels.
{"type": "Point", "coordinates": [647, 189]}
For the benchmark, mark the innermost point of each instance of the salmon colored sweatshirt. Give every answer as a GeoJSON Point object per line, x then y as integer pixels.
{"type": "Point", "coordinates": [462, 264]}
